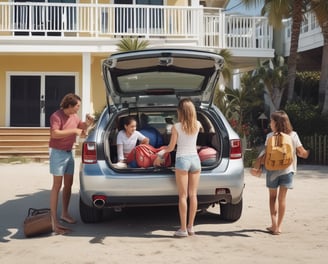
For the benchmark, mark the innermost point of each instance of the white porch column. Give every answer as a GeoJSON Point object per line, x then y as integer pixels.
{"type": "Point", "coordinates": [194, 2]}
{"type": "Point", "coordinates": [86, 84]}
{"type": "Point", "coordinates": [236, 79]}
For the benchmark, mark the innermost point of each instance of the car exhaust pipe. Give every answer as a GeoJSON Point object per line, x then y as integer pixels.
{"type": "Point", "coordinates": [223, 201]}
{"type": "Point", "coordinates": [99, 201]}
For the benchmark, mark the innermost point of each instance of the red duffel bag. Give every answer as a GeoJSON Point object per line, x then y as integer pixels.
{"type": "Point", "coordinates": [144, 156]}
{"type": "Point", "coordinates": [207, 156]}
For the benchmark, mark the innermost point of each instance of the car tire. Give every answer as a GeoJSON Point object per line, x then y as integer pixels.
{"type": "Point", "coordinates": [90, 214]}
{"type": "Point", "coordinates": [231, 212]}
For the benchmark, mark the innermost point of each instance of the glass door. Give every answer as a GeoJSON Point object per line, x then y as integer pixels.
{"type": "Point", "coordinates": [33, 98]}
{"type": "Point", "coordinates": [25, 101]}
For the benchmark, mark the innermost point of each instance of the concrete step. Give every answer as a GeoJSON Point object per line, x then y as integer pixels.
{"type": "Point", "coordinates": [24, 143]}
{"type": "Point", "coordinates": [23, 136]}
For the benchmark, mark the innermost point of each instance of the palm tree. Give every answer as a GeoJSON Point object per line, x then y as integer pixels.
{"type": "Point", "coordinates": [227, 67]}
{"type": "Point", "coordinates": [272, 75]}
{"type": "Point", "coordinates": [297, 13]}
{"type": "Point", "coordinates": [320, 9]}
{"type": "Point", "coordinates": [226, 75]}
{"type": "Point", "coordinates": [277, 10]}
{"type": "Point", "coordinates": [129, 44]}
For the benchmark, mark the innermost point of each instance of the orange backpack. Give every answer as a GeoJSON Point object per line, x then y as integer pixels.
{"type": "Point", "coordinates": [278, 152]}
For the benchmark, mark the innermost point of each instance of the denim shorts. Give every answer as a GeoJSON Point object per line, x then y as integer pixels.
{"type": "Point", "coordinates": [61, 162]}
{"type": "Point", "coordinates": [285, 180]}
{"type": "Point", "coordinates": [188, 163]}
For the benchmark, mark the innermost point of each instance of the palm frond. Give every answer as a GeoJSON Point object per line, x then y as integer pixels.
{"type": "Point", "coordinates": [129, 44]}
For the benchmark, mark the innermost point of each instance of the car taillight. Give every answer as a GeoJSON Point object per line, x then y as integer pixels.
{"type": "Point", "coordinates": [235, 149]}
{"type": "Point", "coordinates": [89, 153]}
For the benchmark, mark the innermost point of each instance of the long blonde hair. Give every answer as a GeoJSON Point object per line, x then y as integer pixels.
{"type": "Point", "coordinates": [187, 116]}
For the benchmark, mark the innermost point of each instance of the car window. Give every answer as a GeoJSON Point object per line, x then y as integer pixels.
{"type": "Point", "coordinates": [160, 80]}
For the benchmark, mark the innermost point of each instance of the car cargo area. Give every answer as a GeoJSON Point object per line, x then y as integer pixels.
{"type": "Point", "coordinates": [209, 141]}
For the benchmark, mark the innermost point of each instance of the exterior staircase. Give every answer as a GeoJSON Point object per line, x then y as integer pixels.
{"type": "Point", "coordinates": [24, 144]}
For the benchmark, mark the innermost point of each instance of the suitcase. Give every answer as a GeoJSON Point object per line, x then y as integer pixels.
{"type": "Point", "coordinates": [207, 156]}
{"type": "Point", "coordinates": [37, 222]}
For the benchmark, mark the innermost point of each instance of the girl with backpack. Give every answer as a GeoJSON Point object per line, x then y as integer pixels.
{"type": "Point", "coordinates": [279, 181]}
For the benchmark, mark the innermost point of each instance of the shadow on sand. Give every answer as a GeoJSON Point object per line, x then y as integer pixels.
{"type": "Point", "coordinates": [131, 222]}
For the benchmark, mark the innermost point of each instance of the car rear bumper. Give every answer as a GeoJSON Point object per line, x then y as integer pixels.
{"type": "Point", "coordinates": [150, 189]}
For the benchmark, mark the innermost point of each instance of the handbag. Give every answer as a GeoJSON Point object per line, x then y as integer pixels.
{"type": "Point", "coordinates": [37, 222]}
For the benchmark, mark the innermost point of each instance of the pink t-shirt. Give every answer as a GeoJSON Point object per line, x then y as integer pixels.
{"type": "Point", "coordinates": [58, 120]}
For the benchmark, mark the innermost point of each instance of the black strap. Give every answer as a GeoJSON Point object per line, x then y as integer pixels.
{"type": "Point", "coordinates": [34, 211]}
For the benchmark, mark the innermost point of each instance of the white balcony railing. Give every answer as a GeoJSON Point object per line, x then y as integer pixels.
{"type": "Point", "coordinates": [208, 27]}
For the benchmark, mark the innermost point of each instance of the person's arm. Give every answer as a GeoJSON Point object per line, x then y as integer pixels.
{"type": "Point", "coordinates": [302, 152]}
{"type": "Point", "coordinates": [119, 146]}
{"type": "Point", "coordinates": [145, 141]}
{"type": "Point", "coordinates": [89, 120]}
{"type": "Point", "coordinates": [173, 140]}
{"type": "Point", "coordinates": [169, 148]}
{"type": "Point", "coordinates": [120, 154]}
{"type": "Point", "coordinates": [142, 139]}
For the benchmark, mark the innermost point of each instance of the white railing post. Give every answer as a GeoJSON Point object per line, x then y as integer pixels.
{"type": "Point", "coordinates": [200, 29]}
{"type": "Point", "coordinates": [29, 26]}
{"type": "Point", "coordinates": [96, 11]}
{"type": "Point", "coordinates": [253, 33]}
{"type": "Point", "coordinates": [222, 30]}
{"type": "Point", "coordinates": [148, 21]}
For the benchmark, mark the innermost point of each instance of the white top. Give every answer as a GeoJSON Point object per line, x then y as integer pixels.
{"type": "Point", "coordinates": [292, 168]}
{"type": "Point", "coordinates": [186, 144]}
{"type": "Point", "coordinates": [125, 144]}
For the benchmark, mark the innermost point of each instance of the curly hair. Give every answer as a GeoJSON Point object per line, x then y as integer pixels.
{"type": "Point", "coordinates": [69, 100]}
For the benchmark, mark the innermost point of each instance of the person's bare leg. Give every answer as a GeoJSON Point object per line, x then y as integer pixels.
{"type": "Point", "coordinates": [182, 185]}
{"type": "Point", "coordinates": [192, 193]}
{"type": "Point", "coordinates": [56, 186]}
{"type": "Point", "coordinates": [273, 209]}
{"type": "Point", "coordinates": [67, 191]}
{"type": "Point", "coordinates": [281, 207]}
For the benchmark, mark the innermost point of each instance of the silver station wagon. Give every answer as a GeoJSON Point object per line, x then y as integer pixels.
{"type": "Point", "coordinates": [150, 83]}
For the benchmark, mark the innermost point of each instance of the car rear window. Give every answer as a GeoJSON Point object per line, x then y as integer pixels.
{"type": "Point", "coordinates": [160, 80]}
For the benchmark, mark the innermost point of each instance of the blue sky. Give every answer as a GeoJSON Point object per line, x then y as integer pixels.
{"type": "Point", "coordinates": [236, 6]}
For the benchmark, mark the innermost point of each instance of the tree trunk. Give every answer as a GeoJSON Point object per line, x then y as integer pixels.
{"type": "Point", "coordinates": [323, 85]}
{"type": "Point", "coordinates": [292, 59]}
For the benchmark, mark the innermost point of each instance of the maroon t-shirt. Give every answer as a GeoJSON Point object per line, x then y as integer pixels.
{"type": "Point", "coordinates": [58, 120]}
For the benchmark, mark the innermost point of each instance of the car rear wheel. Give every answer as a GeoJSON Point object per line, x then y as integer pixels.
{"type": "Point", "coordinates": [231, 212]}
{"type": "Point", "coordinates": [90, 214]}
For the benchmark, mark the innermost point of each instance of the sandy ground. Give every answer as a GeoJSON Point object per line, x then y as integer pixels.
{"type": "Point", "coordinates": [145, 235]}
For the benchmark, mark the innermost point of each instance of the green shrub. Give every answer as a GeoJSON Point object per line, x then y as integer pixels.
{"type": "Point", "coordinates": [306, 118]}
